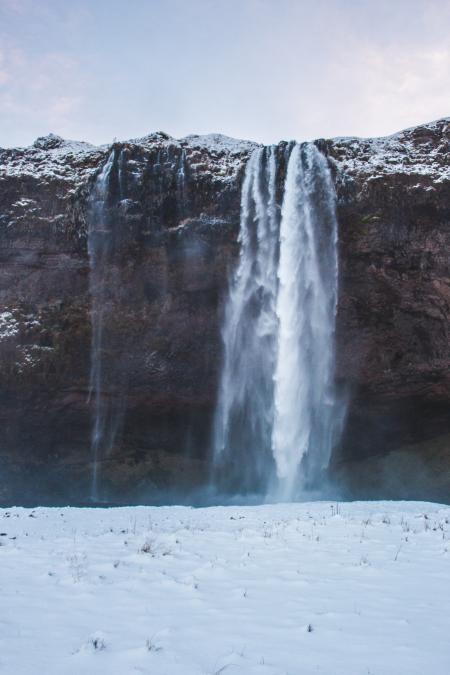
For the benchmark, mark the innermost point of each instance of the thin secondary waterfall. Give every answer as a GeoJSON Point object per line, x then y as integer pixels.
{"type": "Point", "coordinates": [99, 250]}
{"type": "Point", "coordinates": [115, 229]}
{"type": "Point", "coordinates": [278, 414]}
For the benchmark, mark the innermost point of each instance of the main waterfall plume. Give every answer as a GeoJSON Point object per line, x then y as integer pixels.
{"type": "Point", "coordinates": [306, 412]}
{"type": "Point", "coordinates": [278, 414]}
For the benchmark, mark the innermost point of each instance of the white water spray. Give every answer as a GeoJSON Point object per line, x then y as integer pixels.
{"type": "Point", "coordinates": [278, 415]}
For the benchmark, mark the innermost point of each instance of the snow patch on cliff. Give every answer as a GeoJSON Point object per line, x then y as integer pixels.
{"type": "Point", "coordinates": [218, 143]}
{"type": "Point", "coordinates": [220, 156]}
{"type": "Point", "coordinates": [9, 326]}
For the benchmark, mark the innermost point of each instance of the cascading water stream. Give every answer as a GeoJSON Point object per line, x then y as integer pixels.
{"type": "Point", "coordinates": [99, 250]}
{"type": "Point", "coordinates": [112, 240]}
{"type": "Point", "coordinates": [304, 397]}
{"type": "Point", "coordinates": [244, 419]}
{"type": "Point", "coordinates": [278, 414]}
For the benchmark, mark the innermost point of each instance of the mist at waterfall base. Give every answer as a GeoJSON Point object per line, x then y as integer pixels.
{"type": "Point", "coordinates": [278, 415]}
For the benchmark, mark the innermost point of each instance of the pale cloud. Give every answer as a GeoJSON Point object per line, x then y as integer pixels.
{"type": "Point", "coordinates": [401, 88]}
{"type": "Point", "coordinates": [38, 93]}
{"type": "Point", "coordinates": [62, 109]}
{"type": "Point", "coordinates": [16, 6]}
{"type": "Point", "coordinates": [12, 58]}
{"type": "Point", "coordinates": [4, 74]}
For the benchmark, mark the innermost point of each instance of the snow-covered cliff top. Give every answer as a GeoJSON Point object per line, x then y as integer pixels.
{"type": "Point", "coordinates": [422, 150]}
{"type": "Point", "coordinates": [52, 157]}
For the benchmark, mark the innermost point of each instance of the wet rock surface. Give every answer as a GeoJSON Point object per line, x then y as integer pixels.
{"type": "Point", "coordinates": [173, 213]}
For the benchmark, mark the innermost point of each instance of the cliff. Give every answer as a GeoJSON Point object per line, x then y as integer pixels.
{"type": "Point", "coordinates": [173, 213]}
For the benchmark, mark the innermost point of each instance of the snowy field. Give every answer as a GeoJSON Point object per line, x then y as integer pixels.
{"type": "Point", "coordinates": [299, 589]}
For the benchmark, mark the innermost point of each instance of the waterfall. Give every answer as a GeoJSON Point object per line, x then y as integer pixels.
{"type": "Point", "coordinates": [278, 415]}
{"type": "Point", "coordinates": [113, 239]}
{"type": "Point", "coordinates": [181, 181]}
{"type": "Point", "coordinates": [244, 419]}
{"type": "Point", "coordinates": [99, 251]}
{"type": "Point", "coordinates": [304, 396]}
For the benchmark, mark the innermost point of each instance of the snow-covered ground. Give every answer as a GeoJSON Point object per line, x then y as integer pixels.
{"type": "Point", "coordinates": [337, 589]}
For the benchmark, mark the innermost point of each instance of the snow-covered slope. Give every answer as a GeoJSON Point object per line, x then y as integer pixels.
{"type": "Point", "coordinates": [419, 151]}
{"type": "Point", "coordinates": [336, 589]}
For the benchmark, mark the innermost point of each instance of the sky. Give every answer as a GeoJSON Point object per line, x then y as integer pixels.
{"type": "Point", "coordinates": [264, 70]}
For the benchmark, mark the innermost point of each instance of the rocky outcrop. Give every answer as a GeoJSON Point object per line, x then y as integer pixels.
{"type": "Point", "coordinates": [394, 217]}
{"type": "Point", "coordinates": [173, 209]}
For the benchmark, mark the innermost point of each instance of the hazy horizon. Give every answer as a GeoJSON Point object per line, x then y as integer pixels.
{"type": "Point", "coordinates": [252, 69]}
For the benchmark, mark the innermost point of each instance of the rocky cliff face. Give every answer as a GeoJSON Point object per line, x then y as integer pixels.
{"type": "Point", "coordinates": [172, 211]}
